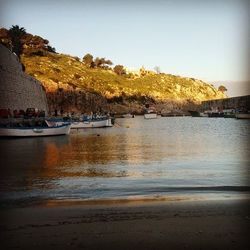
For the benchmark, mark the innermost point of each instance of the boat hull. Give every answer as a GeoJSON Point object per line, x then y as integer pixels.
{"type": "Point", "coordinates": [243, 116]}
{"type": "Point", "coordinates": [98, 123]}
{"type": "Point", "coordinates": [216, 115]}
{"type": "Point", "coordinates": [35, 131]}
{"type": "Point", "coordinates": [229, 116]}
{"type": "Point", "coordinates": [198, 114]}
{"type": "Point", "coordinates": [92, 124]}
{"type": "Point", "coordinates": [128, 116]}
{"type": "Point", "coordinates": [194, 113]}
{"type": "Point", "coordinates": [150, 116]}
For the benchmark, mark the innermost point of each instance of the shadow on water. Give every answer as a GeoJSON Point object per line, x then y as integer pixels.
{"type": "Point", "coordinates": [30, 162]}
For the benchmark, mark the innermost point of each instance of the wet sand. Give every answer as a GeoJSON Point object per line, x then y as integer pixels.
{"type": "Point", "coordinates": [153, 225]}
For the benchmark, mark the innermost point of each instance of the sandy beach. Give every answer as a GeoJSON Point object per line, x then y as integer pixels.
{"type": "Point", "coordinates": [211, 224]}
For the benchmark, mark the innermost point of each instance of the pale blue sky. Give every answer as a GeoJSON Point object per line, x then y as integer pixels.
{"type": "Point", "coordinates": [208, 40]}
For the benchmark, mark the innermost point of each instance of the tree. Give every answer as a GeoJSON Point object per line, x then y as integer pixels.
{"type": "Point", "coordinates": [51, 49]}
{"type": "Point", "coordinates": [102, 63]}
{"type": "Point", "coordinates": [222, 88]}
{"type": "Point", "coordinates": [97, 62]}
{"type": "Point", "coordinates": [119, 70]}
{"type": "Point", "coordinates": [88, 60]}
{"type": "Point", "coordinates": [5, 38]}
{"type": "Point", "coordinates": [107, 63]}
{"type": "Point", "coordinates": [16, 33]}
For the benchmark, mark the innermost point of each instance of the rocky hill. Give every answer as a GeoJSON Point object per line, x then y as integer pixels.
{"type": "Point", "coordinates": [72, 85]}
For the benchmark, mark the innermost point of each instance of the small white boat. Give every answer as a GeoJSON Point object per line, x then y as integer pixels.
{"type": "Point", "coordinates": [90, 123]}
{"type": "Point", "coordinates": [128, 115]}
{"type": "Point", "coordinates": [99, 123]}
{"type": "Point", "coordinates": [150, 114]}
{"type": "Point", "coordinates": [204, 114]}
{"type": "Point", "coordinates": [242, 115]}
{"type": "Point", "coordinates": [34, 131]}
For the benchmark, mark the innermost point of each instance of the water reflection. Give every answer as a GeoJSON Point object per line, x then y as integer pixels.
{"type": "Point", "coordinates": [21, 161]}
{"type": "Point", "coordinates": [137, 153]}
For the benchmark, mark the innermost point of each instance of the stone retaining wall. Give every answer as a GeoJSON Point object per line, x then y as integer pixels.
{"type": "Point", "coordinates": [240, 102]}
{"type": "Point", "coordinates": [17, 89]}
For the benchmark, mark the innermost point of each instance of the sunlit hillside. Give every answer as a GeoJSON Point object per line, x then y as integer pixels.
{"type": "Point", "coordinates": [78, 84]}
{"type": "Point", "coordinates": [66, 72]}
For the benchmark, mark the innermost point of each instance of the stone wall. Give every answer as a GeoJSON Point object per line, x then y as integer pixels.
{"type": "Point", "coordinates": [240, 102]}
{"type": "Point", "coordinates": [17, 89]}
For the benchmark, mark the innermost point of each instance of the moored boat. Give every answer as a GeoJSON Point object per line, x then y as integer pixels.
{"type": "Point", "coordinates": [229, 113]}
{"type": "Point", "coordinates": [93, 123]}
{"type": "Point", "coordinates": [216, 114]}
{"type": "Point", "coordinates": [194, 113]}
{"type": "Point", "coordinates": [128, 116]}
{"type": "Point", "coordinates": [63, 129]}
{"type": "Point", "coordinates": [150, 115]}
{"type": "Point", "coordinates": [85, 123]}
{"type": "Point", "coordinates": [204, 114]}
{"type": "Point", "coordinates": [198, 114]}
{"type": "Point", "coordinates": [242, 115]}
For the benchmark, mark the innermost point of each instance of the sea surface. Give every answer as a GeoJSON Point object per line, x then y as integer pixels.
{"type": "Point", "coordinates": [137, 159]}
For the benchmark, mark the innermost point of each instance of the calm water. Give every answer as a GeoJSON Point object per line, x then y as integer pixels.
{"type": "Point", "coordinates": [137, 158]}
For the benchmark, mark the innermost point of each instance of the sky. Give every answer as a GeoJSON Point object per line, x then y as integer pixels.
{"type": "Point", "coordinates": [207, 40]}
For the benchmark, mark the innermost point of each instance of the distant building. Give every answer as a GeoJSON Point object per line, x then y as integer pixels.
{"type": "Point", "coordinates": [139, 72]}
{"type": "Point", "coordinates": [135, 72]}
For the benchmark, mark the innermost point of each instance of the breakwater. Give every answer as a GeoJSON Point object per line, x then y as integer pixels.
{"type": "Point", "coordinates": [239, 102]}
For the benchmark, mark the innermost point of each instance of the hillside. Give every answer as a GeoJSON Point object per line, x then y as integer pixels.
{"type": "Point", "coordinates": [72, 85]}
{"type": "Point", "coordinates": [67, 72]}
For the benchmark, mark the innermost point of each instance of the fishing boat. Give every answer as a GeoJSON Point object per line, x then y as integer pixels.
{"type": "Point", "coordinates": [63, 129]}
{"type": "Point", "coordinates": [216, 113]}
{"type": "Point", "coordinates": [128, 115]}
{"type": "Point", "coordinates": [150, 114]}
{"type": "Point", "coordinates": [198, 114]}
{"type": "Point", "coordinates": [229, 113]}
{"type": "Point", "coordinates": [92, 123]}
{"type": "Point", "coordinates": [194, 113]}
{"type": "Point", "coordinates": [99, 122]}
{"type": "Point", "coordinates": [204, 114]}
{"type": "Point", "coordinates": [242, 115]}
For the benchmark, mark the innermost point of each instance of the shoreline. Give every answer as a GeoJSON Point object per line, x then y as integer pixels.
{"type": "Point", "coordinates": [125, 200]}
{"type": "Point", "coordinates": [200, 224]}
